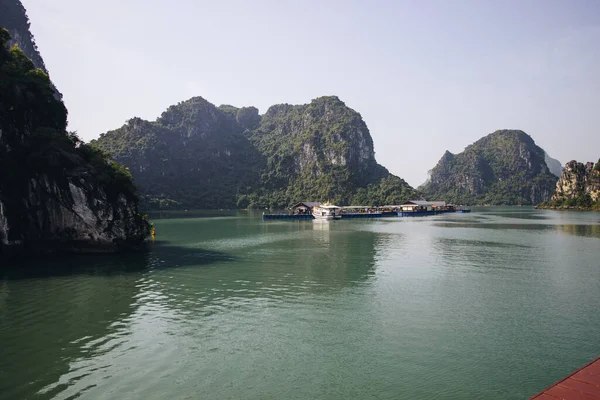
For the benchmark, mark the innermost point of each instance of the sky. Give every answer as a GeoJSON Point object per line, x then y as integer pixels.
{"type": "Point", "coordinates": [426, 76]}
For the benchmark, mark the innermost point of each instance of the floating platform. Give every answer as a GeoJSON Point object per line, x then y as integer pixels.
{"type": "Point", "coordinates": [382, 214]}
{"type": "Point", "coordinates": [287, 216]}
{"type": "Point", "coordinates": [362, 215]}
{"type": "Point", "coordinates": [428, 212]}
{"type": "Point", "coordinates": [415, 213]}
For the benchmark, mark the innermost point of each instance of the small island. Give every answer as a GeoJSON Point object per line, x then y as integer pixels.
{"type": "Point", "coordinates": [577, 189]}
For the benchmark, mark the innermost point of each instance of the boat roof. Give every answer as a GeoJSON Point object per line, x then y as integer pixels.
{"type": "Point", "coordinates": [424, 203]}
{"type": "Point", "coordinates": [357, 207]}
{"type": "Point", "coordinates": [307, 204]}
{"type": "Point", "coordinates": [328, 206]}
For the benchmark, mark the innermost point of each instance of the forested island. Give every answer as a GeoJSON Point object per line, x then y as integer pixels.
{"type": "Point", "coordinates": [578, 188]}
{"type": "Point", "coordinates": [505, 167]}
{"type": "Point", "coordinates": [197, 155]}
{"type": "Point", "coordinates": [229, 157]}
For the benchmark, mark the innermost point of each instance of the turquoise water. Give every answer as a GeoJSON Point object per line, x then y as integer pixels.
{"type": "Point", "coordinates": [496, 304]}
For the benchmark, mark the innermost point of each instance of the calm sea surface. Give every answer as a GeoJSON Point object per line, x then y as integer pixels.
{"type": "Point", "coordinates": [496, 304]}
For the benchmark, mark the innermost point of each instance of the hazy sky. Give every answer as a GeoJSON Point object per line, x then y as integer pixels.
{"type": "Point", "coordinates": [427, 76]}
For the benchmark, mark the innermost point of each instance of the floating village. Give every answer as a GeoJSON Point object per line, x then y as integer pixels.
{"type": "Point", "coordinates": [327, 211]}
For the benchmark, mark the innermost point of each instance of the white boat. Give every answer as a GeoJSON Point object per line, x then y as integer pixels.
{"type": "Point", "coordinates": [326, 211]}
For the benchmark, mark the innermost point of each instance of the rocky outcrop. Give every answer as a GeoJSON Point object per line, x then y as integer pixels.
{"type": "Point", "coordinates": [578, 187]}
{"type": "Point", "coordinates": [13, 17]}
{"type": "Point", "coordinates": [56, 193]}
{"type": "Point", "coordinates": [199, 155]}
{"type": "Point", "coordinates": [195, 155]}
{"type": "Point", "coordinates": [3, 225]}
{"type": "Point", "coordinates": [316, 137]}
{"type": "Point", "coordinates": [323, 151]}
{"type": "Point", "coordinates": [79, 219]}
{"type": "Point", "coordinates": [504, 167]}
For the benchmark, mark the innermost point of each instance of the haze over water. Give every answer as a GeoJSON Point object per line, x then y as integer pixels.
{"type": "Point", "coordinates": [496, 304]}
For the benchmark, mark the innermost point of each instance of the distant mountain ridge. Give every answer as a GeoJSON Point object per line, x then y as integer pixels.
{"type": "Point", "coordinates": [553, 164]}
{"type": "Point", "coordinates": [202, 156]}
{"type": "Point", "coordinates": [504, 167]}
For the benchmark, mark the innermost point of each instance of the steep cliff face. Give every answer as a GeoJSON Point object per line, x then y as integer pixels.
{"type": "Point", "coordinates": [225, 157]}
{"type": "Point", "coordinates": [78, 218]}
{"type": "Point", "coordinates": [194, 155]}
{"type": "Point", "coordinates": [13, 17]}
{"type": "Point", "coordinates": [578, 186]}
{"type": "Point", "coordinates": [324, 151]}
{"type": "Point", "coordinates": [322, 134]}
{"type": "Point", "coordinates": [504, 167]}
{"type": "Point", "coordinates": [56, 193]}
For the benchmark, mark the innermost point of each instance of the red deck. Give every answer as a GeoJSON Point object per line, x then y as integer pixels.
{"type": "Point", "coordinates": [582, 384]}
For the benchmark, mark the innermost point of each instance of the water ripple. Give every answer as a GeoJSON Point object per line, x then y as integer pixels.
{"type": "Point", "coordinates": [348, 310]}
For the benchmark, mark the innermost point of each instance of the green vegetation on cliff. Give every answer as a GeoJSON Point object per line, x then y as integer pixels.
{"type": "Point", "coordinates": [322, 151]}
{"type": "Point", "coordinates": [504, 167]}
{"type": "Point", "coordinates": [193, 156]}
{"type": "Point", "coordinates": [42, 165]}
{"type": "Point", "coordinates": [578, 187]}
{"type": "Point", "coordinates": [197, 155]}
{"type": "Point", "coordinates": [13, 18]}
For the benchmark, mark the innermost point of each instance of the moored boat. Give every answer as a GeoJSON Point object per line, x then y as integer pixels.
{"type": "Point", "coordinates": [326, 212]}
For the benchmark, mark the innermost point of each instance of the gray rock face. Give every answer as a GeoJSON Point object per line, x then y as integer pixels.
{"type": "Point", "coordinates": [325, 133]}
{"type": "Point", "coordinates": [78, 219]}
{"type": "Point", "coordinates": [577, 180]}
{"type": "Point", "coordinates": [3, 225]}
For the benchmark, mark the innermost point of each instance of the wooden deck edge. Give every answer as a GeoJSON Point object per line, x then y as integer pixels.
{"type": "Point", "coordinates": [539, 394]}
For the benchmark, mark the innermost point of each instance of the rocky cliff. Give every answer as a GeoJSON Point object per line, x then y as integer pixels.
{"type": "Point", "coordinates": [504, 167]}
{"type": "Point", "coordinates": [578, 187]}
{"type": "Point", "coordinates": [194, 155]}
{"type": "Point", "coordinates": [323, 151]}
{"type": "Point", "coordinates": [199, 155]}
{"type": "Point", "coordinates": [13, 17]}
{"type": "Point", "coordinates": [56, 193]}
